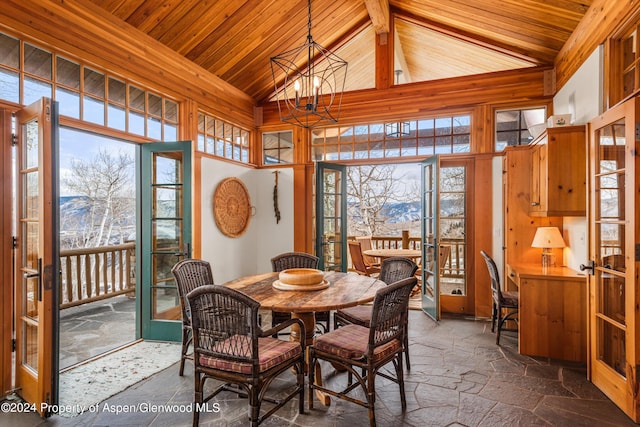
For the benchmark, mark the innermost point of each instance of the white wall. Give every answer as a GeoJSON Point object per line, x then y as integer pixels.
{"type": "Point", "coordinates": [582, 97]}
{"type": "Point", "coordinates": [250, 253]}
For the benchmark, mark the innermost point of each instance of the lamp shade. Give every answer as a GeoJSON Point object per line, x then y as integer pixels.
{"type": "Point", "coordinates": [548, 237]}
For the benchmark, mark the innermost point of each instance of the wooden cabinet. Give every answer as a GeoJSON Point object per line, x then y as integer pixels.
{"type": "Point", "coordinates": [558, 172]}
{"type": "Point", "coordinates": [519, 227]}
{"type": "Point", "coordinates": [553, 311]}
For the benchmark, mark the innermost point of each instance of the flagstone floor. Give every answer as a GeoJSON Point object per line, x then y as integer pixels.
{"type": "Point", "coordinates": [458, 377]}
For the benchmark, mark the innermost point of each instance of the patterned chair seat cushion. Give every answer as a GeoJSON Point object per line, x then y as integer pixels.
{"type": "Point", "coordinates": [271, 352]}
{"type": "Point", "coordinates": [360, 314]}
{"type": "Point", "coordinates": [510, 298]}
{"type": "Point", "coordinates": [351, 341]}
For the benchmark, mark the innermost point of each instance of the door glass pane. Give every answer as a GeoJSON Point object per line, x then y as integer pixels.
{"type": "Point", "coordinates": [167, 233]}
{"type": "Point", "coordinates": [30, 347]}
{"type": "Point", "coordinates": [333, 235]}
{"type": "Point", "coordinates": [610, 243]}
{"type": "Point", "coordinates": [611, 346]}
{"type": "Point", "coordinates": [30, 252]}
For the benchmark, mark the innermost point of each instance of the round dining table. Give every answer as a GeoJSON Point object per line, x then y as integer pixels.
{"type": "Point", "coordinates": [343, 290]}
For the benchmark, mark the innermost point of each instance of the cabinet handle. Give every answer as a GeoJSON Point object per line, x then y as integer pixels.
{"type": "Point", "coordinates": [534, 203]}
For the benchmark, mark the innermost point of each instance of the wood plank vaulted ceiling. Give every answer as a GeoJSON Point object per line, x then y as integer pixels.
{"type": "Point", "coordinates": [235, 39]}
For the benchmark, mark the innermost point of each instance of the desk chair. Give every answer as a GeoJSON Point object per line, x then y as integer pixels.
{"type": "Point", "coordinates": [502, 300]}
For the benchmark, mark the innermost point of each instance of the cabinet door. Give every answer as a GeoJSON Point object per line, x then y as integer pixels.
{"type": "Point", "coordinates": [539, 178]}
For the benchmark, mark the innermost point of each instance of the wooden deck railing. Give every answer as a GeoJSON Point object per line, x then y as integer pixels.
{"type": "Point", "coordinates": [454, 266]}
{"type": "Point", "coordinates": [92, 274]}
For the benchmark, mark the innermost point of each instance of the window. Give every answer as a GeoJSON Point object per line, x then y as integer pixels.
{"type": "Point", "coordinates": [277, 147]}
{"type": "Point", "coordinates": [84, 93]}
{"type": "Point", "coordinates": [222, 139]}
{"type": "Point", "coordinates": [518, 127]}
{"type": "Point", "coordinates": [408, 138]}
{"type": "Point", "coordinates": [624, 77]}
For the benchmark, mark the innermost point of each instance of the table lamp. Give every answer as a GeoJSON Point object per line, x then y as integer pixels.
{"type": "Point", "coordinates": [548, 238]}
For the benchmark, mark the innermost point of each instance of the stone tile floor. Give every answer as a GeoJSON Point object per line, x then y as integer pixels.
{"type": "Point", "coordinates": [458, 377]}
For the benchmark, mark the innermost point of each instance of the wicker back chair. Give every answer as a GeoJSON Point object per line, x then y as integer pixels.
{"type": "Point", "coordinates": [364, 351]}
{"type": "Point", "coordinates": [230, 346]}
{"type": "Point", "coordinates": [397, 268]}
{"type": "Point", "coordinates": [502, 300]}
{"type": "Point", "coordinates": [392, 270]}
{"type": "Point", "coordinates": [189, 274]}
{"type": "Point", "coordinates": [288, 260]}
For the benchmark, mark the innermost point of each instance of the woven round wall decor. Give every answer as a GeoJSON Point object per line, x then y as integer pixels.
{"type": "Point", "coordinates": [232, 207]}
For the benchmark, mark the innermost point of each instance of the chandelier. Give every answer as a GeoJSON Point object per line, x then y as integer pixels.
{"type": "Point", "coordinates": [309, 81]}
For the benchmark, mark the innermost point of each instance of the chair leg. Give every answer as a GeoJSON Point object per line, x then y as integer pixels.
{"type": "Point", "coordinates": [198, 398]}
{"type": "Point", "coordinates": [371, 395]}
{"type": "Point", "coordinates": [254, 406]}
{"type": "Point", "coordinates": [400, 377]}
{"type": "Point", "coordinates": [494, 314]}
{"type": "Point", "coordinates": [406, 347]}
{"type": "Point", "coordinates": [500, 322]}
{"type": "Point", "coordinates": [186, 339]}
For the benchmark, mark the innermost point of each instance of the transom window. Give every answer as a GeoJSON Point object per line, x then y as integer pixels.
{"type": "Point", "coordinates": [277, 147]}
{"type": "Point", "coordinates": [624, 77]}
{"type": "Point", "coordinates": [222, 139]}
{"type": "Point", "coordinates": [519, 127]}
{"type": "Point", "coordinates": [83, 92]}
{"type": "Point", "coordinates": [407, 138]}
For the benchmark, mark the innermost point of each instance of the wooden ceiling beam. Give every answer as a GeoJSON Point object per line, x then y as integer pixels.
{"type": "Point", "coordinates": [379, 14]}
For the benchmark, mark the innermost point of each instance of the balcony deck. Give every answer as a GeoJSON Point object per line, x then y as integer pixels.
{"type": "Point", "coordinates": [91, 329]}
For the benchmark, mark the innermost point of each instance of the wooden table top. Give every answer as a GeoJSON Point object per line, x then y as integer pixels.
{"type": "Point", "coordinates": [344, 290]}
{"type": "Point", "coordinates": [387, 253]}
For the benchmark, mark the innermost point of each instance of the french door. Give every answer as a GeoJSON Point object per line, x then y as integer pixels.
{"type": "Point", "coordinates": [164, 234]}
{"type": "Point", "coordinates": [331, 216]}
{"type": "Point", "coordinates": [614, 207]}
{"type": "Point", "coordinates": [36, 279]}
{"type": "Point", "coordinates": [430, 236]}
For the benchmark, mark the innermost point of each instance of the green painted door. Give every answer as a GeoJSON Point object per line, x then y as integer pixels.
{"type": "Point", "coordinates": [331, 216]}
{"type": "Point", "coordinates": [430, 236]}
{"type": "Point", "coordinates": [164, 234]}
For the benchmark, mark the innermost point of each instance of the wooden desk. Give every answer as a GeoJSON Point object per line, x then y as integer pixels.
{"type": "Point", "coordinates": [388, 253]}
{"type": "Point", "coordinates": [553, 311]}
{"type": "Point", "coordinates": [345, 290]}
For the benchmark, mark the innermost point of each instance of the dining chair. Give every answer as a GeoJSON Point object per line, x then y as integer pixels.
{"type": "Point", "coordinates": [502, 300]}
{"type": "Point", "coordinates": [357, 260]}
{"type": "Point", "coordinates": [363, 352]}
{"type": "Point", "coordinates": [366, 244]}
{"type": "Point", "coordinates": [288, 260]}
{"type": "Point", "coordinates": [231, 347]}
{"type": "Point", "coordinates": [189, 274]}
{"type": "Point", "coordinates": [392, 270]}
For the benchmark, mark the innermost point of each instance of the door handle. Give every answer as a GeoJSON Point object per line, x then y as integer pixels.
{"type": "Point", "coordinates": [37, 274]}
{"type": "Point", "coordinates": [590, 266]}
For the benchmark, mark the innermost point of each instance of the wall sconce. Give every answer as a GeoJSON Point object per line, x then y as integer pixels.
{"type": "Point", "coordinates": [548, 238]}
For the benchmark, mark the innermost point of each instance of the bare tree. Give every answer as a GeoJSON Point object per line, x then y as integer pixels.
{"type": "Point", "coordinates": [104, 202]}
{"type": "Point", "coordinates": [369, 189]}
